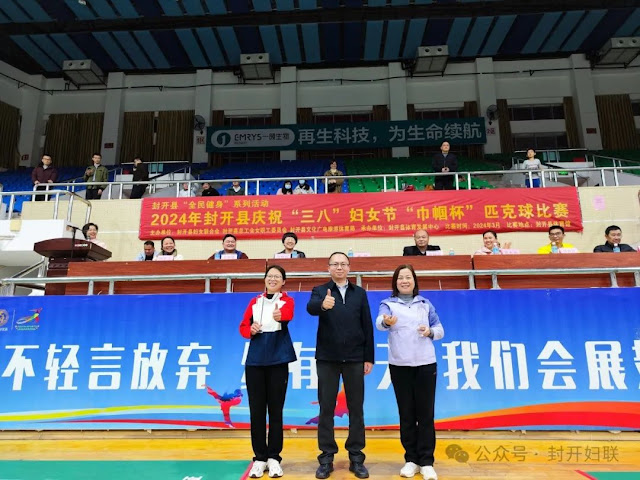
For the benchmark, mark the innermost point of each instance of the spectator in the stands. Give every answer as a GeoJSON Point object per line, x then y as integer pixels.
{"type": "Point", "coordinates": [96, 173]}
{"type": "Point", "coordinates": [491, 244]}
{"type": "Point", "coordinates": [169, 251]}
{"type": "Point", "coordinates": [90, 232]}
{"type": "Point", "coordinates": [149, 252]}
{"type": "Point", "coordinates": [187, 190]}
{"type": "Point", "coordinates": [532, 163]}
{"type": "Point", "coordinates": [140, 174]}
{"type": "Point", "coordinates": [334, 185]}
{"type": "Point", "coordinates": [421, 237]}
{"type": "Point", "coordinates": [613, 236]}
{"type": "Point", "coordinates": [42, 175]}
{"type": "Point", "coordinates": [444, 162]}
{"type": "Point", "coordinates": [235, 189]}
{"type": "Point", "coordinates": [228, 249]}
{"type": "Point", "coordinates": [556, 241]}
{"type": "Point", "coordinates": [303, 188]}
{"type": "Point", "coordinates": [286, 188]}
{"type": "Point", "coordinates": [290, 240]}
{"type": "Point", "coordinates": [209, 191]}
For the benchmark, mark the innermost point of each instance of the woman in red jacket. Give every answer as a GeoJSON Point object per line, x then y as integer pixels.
{"type": "Point", "coordinates": [265, 322]}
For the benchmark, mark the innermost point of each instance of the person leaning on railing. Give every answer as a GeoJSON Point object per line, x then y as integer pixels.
{"type": "Point", "coordinates": [334, 185]}
{"type": "Point", "coordinates": [42, 175]}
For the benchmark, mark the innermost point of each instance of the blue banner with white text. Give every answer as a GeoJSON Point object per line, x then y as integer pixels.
{"type": "Point", "coordinates": [534, 359]}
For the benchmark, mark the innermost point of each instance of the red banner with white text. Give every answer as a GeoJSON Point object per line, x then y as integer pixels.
{"type": "Point", "coordinates": [362, 214]}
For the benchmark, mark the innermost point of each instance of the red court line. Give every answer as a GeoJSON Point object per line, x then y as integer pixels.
{"type": "Point", "coordinates": [585, 474]}
{"type": "Point", "coordinates": [245, 475]}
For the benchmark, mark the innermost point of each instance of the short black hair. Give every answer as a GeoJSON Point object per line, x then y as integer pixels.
{"type": "Point", "coordinates": [339, 253]}
{"type": "Point", "coordinates": [150, 242]}
{"type": "Point", "coordinates": [290, 234]}
{"type": "Point", "coordinates": [277, 267]}
{"type": "Point", "coordinates": [611, 228]}
{"type": "Point", "coordinates": [229, 235]}
{"type": "Point", "coordinates": [556, 227]}
{"type": "Point", "coordinates": [86, 227]}
{"type": "Point", "coordinates": [490, 231]}
{"type": "Point", "coordinates": [98, 154]}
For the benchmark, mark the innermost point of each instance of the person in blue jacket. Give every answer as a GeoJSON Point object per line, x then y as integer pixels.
{"type": "Point", "coordinates": [413, 326]}
{"type": "Point", "coordinates": [265, 323]}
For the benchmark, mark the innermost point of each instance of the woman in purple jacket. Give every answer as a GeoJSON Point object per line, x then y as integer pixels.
{"type": "Point", "coordinates": [413, 325]}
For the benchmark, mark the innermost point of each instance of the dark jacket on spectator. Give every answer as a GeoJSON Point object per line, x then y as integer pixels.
{"type": "Point", "coordinates": [140, 173]}
{"type": "Point", "coordinates": [608, 248]}
{"type": "Point", "coordinates": [43, 175]}
{"type": "Point", "coordinates": [413, 250]}
{"type": "Point", "coordinates": [210, 192]}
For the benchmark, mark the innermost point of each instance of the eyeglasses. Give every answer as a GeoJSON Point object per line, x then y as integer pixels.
{"type": "Point", "coordinates": [556, 234]}
{"type": "Point", "coordinates": [341, 265]}
{"type": "Point", "coordinates": [274, 277]}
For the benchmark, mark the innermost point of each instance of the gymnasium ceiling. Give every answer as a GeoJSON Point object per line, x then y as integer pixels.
{"type": "Point", "coordinates": [184, 35]}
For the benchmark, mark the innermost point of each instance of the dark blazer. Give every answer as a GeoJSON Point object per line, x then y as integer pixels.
{"type": "Point", "coordinates": [608, 248]}
{"type": "Point", "coordinates": [438, 163]}
{"type": "Point", "coordinates": [413, 250]}
{"type": "Point", "coordinates": [345, 332]}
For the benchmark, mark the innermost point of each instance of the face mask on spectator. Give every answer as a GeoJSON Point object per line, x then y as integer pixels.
{"type": "Point", "coordinates": [287, 185]}
{"type": "Point", "coordinates": [301, 182]}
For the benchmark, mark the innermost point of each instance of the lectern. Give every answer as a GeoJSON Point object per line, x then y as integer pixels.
{"type": "Point", "coordinates": [61, 252]}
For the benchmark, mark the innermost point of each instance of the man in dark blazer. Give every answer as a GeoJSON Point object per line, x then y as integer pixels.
{"type": "Point", "coordinates": [444, 162]}
{"type": "Point", "coordinates": [421, 237]}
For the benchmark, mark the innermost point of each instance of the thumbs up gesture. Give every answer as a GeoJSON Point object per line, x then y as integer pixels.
{"type": "Point", "coordinates": [389, 320]}
{"type": "Point", "coordinates": [329, 301]}
{"type": "Point", "coordinates": [277, 314]}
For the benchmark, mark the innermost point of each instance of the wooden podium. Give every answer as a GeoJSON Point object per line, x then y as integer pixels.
{"type": "Point", "coordinates": [63, 251]}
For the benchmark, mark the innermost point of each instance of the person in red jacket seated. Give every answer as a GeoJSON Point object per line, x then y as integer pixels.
{"type": "Point", "coordinates": [265, 323]}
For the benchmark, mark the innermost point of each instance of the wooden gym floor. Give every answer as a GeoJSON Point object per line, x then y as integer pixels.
{"type": "Point", "coordinates": [459, 455]}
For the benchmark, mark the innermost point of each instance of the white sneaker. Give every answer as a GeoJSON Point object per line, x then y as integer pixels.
{"type": "Point", "coordinates": [275, 470]}
{"type": "Point", "coordinates": [428, 473]}
{"type": "Point", "coordinates": [409, 470]}
{"type": "Point", "coordinates": [258, 469]}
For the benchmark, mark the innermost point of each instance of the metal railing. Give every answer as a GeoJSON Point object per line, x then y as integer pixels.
{"type": "Point", "coordinates": [9, 289]}
{"type": "Point", "coordinates": [79, 183]}
{"type": "Point", "coordinates": [546, 174]}
{"type": "Point", "coordinates": [229, 277]}
{"type": "Point", "coordinates": [56, 199]}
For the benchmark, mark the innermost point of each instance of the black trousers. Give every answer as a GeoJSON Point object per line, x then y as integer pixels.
{"type": "Point", "coordinates": [137, 191]}
{"type": "Point", "coordinates": [328, 382]}
{"type": "Point", "coordinates": [415, 389]}
{"type": "Point", "coordinates": [92, 194]}
{"type": "Point", "coordinates": [444, 183]}
{"type": "Point", "coordinates": [267, 389]}
{"type": "Point", "coordinates": [41, 198]}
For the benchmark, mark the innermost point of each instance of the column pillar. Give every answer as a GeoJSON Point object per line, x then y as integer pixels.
{"type": "Point", "coordinates": [288, 104]}
{"type": "Point", "coordinates": [486, 89]}
{"type": "Point", "coordinates": [202, 98]}
{"type": "Point", "coordinates": [584, 101]}
{"type": "Point", "coordinates": [398, 101]}
{"type": "Point", "coordinates": [113, 119]}
{"type": "Point", "coordinates": [32, 124]}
